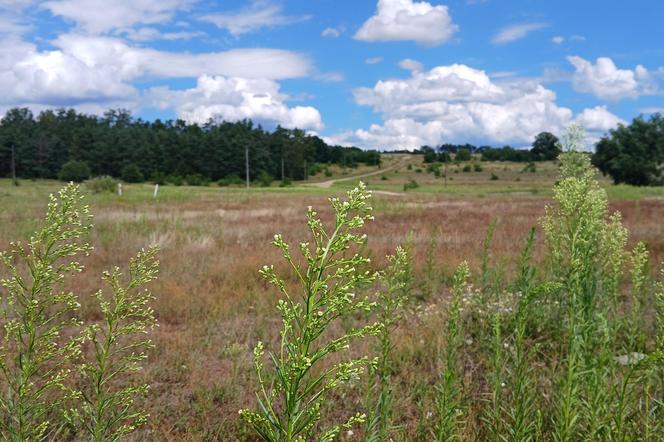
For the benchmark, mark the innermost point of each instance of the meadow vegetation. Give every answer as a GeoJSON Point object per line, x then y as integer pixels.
{"type": "Point", "coordinates": [525, 308]}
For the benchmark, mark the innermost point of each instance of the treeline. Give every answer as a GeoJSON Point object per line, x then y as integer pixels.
{"type": "Point", "coordinates": [39, 147]}
{"type": "Point", "coordinates": [545, 147]}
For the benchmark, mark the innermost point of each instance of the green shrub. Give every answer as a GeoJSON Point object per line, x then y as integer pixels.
{"type": "Point", "coordinates": [196, 179]}
{"type": "Point", "coordinates": [231, 180]}
{"type": "Point", "coordinates": [265, 179]}
{"type": "Point", "coordinates": [433, 167]}
{"type": "Point", "coordinates": [384, 177]}
{"type": "Point", "coordinates": [494, 177]}
{"type": "Point", "coordinates": [175, 180]}
{"type": "Point", "coordinates": [131, 173]}
{"type": "Point", "coordinates": [102, 184]}
{"type": "Point", "coordinates": [477, 167]}
{"type": "Point", "coordinates": [328, 172]}
{"type": "Point", "coordinates": [74, 171]}
{"type": "Point", "coordinates": [285, 183]}
{"type": "Point", "coordinates": [158, 178]}
{"type": "Point", "coordinates": [467, 168]}
{"type": "Point", "coordinates": [462, 155]}
{"type": "Point", "coordinates": [530, 168]}
{"type": "Point", "coordinates": [412, 184]}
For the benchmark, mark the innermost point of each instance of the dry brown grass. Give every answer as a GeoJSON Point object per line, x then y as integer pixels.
{"type": "Point", "coordinates": [213, 307]}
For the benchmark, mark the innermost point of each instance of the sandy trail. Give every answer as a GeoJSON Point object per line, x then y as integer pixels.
{"type": "Point", "coordinates": [327, 184]}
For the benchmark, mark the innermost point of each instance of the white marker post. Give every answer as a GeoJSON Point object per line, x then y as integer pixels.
{"type": "Point", "coordinates": [156, 191]}
{"type": "Point", "coordinates": [119, 189]}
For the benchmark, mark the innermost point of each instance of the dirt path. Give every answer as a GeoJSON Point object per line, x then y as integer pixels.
{"type": "Point", "coordinates": [327, 184]}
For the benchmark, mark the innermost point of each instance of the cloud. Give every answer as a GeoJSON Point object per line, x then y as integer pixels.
{"type": "Point", "coordinates": [96, 72]}
{"type": "Point", "coordinates": [329, 77]}
{"type": "Point", "coordinates": [259, 14]}
{"type": "Point", "coordinates": [373, 60]}
{"type": "Point", "coordinates": [598, 119]}
{"type": "Point", "coordinates": [652, 110]}
{"type": "Point", "coordinates": [410, 65]}
{"type": "Point", "coordinates": [232, 98]}
{"type": "Point", "coordinates": [130, 62]}
{"type": "Point", "coordinates": [512, 33]}
{"type": "Point", "coordinates": [331, 32]}
{"type": "Point", "coordinates": [558, 40]}
{"type": "Point", "coordinates": [151, 34]}
{"type": "Point", "coordinates": [399, 20]}
{"type": "Point", "coordinates": [458, 103]}
{"type": "Point", "coordinates": [605, 81]}
{"type": "Point", "coordinates": [102, 16]}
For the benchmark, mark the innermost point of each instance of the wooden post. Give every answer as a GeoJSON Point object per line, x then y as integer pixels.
{"type": "Point", "coordinates": [246, 163]}
{"type": "Point", "coordinates": [14, 181]}
{"type": "Point", "coordinates": [156, 191]}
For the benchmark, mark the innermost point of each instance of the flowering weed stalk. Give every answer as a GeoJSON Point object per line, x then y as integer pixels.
{"type": "Point", "coordinates": [35, 314]}
{"type": "Point", "coordinates": [397, 281]}
{"type": "Point", "coordinates": [109, 410]}
{"type": "Point", "coordinates": [290, 406]}
{"type": "Point", "coordinates": [448, 402]}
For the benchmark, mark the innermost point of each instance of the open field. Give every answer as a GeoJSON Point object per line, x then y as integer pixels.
{"type": "Point", "coordinates": [213, 307]}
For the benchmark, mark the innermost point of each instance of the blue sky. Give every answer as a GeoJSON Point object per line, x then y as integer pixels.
{"type": "Point", "coordinates": [375, 73]}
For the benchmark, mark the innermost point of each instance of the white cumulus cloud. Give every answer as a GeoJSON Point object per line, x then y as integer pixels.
{"type": "Point", "coordinates": [331, 32]}
{"type": "Point", "coordinates": [606, 81]}
{"type": "Point", "coordinates": [131, 62]}
{"type": "Point", "coordinates": [259, 14]}
{"type": "Point", "coordinates": [398, 20]}
{"type": "Point", "coordinates": [458, 103]}
{"type": "Point", "coordinates": [232, 98]}
{"type": "Point", "coordinates": [598, 119]}
{"type": "Point", "coordinates": [512, 33]}
{"type": "Point", "coordinates": [100, 16]}
{"type": "Point", "coordinates": [410, 65]}
{"type": "Point", "coordinates": [373, 60]}
{"type": "Point", "coordinates": [96, 72]}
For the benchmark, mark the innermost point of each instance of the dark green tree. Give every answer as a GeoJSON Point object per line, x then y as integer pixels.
{"type": "Point", "coordinates": [76, 171]}
{"type": "Point", "coordinates": [131, 173]}
{"type": "Point", "coordinates": [545, 147]}
{"type": "Point", "coordinates": [463, 155]}
{"type": "Point", "coordinates": [633, 154]}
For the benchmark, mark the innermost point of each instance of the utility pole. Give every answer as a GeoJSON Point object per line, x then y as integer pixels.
{"type": "Point", "coordinates": [246, 162]}
{"type": "Point", "coordinates": [14, 165]}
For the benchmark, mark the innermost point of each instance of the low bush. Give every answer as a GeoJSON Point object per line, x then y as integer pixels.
{"type": "Point", "coordinates": [529, 168]}
{"type": "Point", "coordinates": [231, 180]}
{"type": "Point", "coordinates": [196, 179]}
{"type": "Point", "coordinates": [131, 173]}
{"type": "Point", "coordinates": [412, 184]}
{"type": "Point", "coordinates": [102, 184]}
{"type": "Point", "coordinates": [74, 171]}
{"type": "Point", "coordinates": [175, 180]}
{"type": "Point", "coordinates": [265, 179]}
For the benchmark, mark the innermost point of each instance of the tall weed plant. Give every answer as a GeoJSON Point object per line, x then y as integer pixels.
{"type": "Point", "coordinates": [53, 387]}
